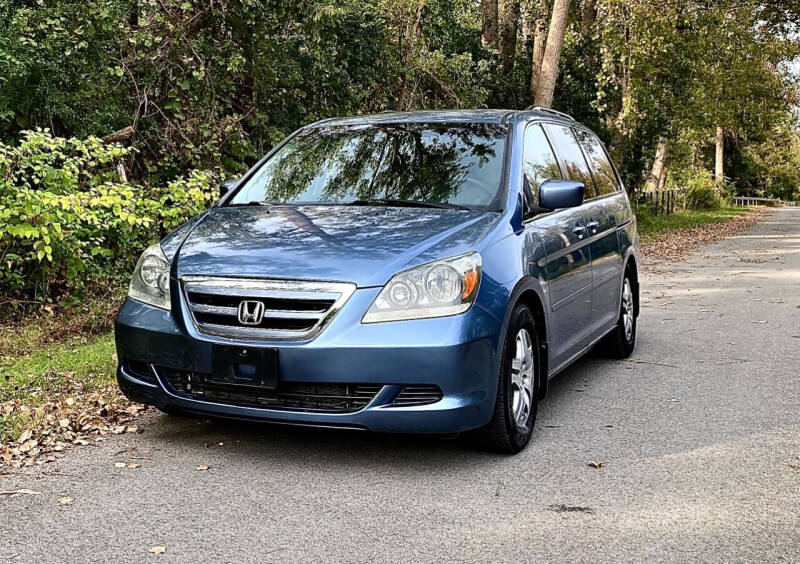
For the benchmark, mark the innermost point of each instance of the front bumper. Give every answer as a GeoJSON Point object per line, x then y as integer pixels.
{"type": "Point", "coordinates": [457, 354]}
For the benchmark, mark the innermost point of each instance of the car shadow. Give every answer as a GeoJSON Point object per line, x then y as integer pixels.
{"type": "Point", "coordinates": [288, 443]}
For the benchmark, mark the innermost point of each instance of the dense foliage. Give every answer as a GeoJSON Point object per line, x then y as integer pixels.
{"type": "Point", "coordinates": [66, 217]}
{"type": "Point", "coordinates": [199, 85]}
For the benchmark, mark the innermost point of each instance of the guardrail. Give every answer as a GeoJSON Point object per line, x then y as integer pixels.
{"type": "Point", "coordinates": [753, 201]}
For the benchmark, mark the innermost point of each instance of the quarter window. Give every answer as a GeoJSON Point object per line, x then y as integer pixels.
{"type": "Point", "coordinates": [540, 162]}
{"type": "Point", "coordinates": [604, 178]}
{"type": "Point", "coordinates": [571, 155]}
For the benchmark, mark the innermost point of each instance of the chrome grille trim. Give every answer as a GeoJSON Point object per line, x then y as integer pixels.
{"type": "Point", "coordinates": [418, 395]}
{"type": "Point", "coordinates": [310, 305]}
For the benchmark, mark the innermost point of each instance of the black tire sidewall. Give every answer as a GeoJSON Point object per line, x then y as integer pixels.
{"type": "Point", "coordinates": [521, 317]}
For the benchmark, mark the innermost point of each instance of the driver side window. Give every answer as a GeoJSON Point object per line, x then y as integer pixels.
{"type": "Point", "coordinates": [539, 164]}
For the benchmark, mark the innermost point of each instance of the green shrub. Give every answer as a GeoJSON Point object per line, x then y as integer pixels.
{"type": "Point", "coordinates": [702, 193]}
{"type": "Point", "coordinates": [66, 217]}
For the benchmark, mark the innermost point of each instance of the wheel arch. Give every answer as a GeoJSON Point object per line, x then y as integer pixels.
{"type": "Point", "coordinates": [631, 264]}
{"type": "Point", "coordinates": [529, 291]}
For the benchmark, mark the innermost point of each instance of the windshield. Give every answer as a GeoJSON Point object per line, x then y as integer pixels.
{"type": "Point", "coordinates": [457, 165]}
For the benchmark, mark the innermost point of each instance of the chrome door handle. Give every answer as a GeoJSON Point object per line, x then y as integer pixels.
{"type": "Point", "coordinates": [579, 230]}
{"type": "Point", "coordinates": [593, 225]}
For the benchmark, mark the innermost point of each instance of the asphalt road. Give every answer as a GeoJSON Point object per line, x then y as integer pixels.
{"type": "Point", "coordinates": [698, 435]}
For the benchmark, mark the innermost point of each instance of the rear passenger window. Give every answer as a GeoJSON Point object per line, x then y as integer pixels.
{"type": "Point", "coordinates": [571, 155]}
{"type": "Point", "coordinates": [604, 178]}
{"type": "Point", "coordinates": [540, 162]}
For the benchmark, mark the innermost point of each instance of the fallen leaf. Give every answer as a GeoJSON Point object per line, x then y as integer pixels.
{"type": "Point", "coordinates": [594, 464]}
{"type": "Point", "coordinates": [133, 465]}
{"type": "Point", "coordinates": [28, 445]}
{"type": "Point", "coordinates": [157, 550]}
{"type": "Point", "coordinates": [63, 423]}
{"type": "Point", "coordinates": [25, 436]}
{"type": "Point", "coordinates": [14, 493]}
{"type": "Point", "coordinates": [66, 500]}
{"type": "Point", "coordinates": [562, 508]}
{"type": "Point", "coordinates": [202, 467]}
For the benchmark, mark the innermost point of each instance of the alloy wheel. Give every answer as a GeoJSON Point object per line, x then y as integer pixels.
{"type": "Point", "coordinates": [627, 308]}
{"type": "Point", "coordinates": [522, 375]}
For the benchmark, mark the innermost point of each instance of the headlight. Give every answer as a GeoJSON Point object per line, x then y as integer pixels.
{"type": "Point", "coordinates": [150, 282]}
{"type": "Point", "coordinates": [437, 289]}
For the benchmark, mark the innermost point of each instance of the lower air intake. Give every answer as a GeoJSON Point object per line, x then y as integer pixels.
{"type": "Point", "coordinates": [418, 395]}
{"type": "Point", "coordinates": [290, 396]}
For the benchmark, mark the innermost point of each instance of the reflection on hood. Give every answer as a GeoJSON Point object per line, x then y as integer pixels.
{"type": "Point", "coordinates": [365, 245]}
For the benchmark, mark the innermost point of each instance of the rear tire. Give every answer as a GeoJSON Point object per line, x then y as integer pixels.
{"type": "Point", "coordinates": [511, 426]}
{"type": "Point", "coordinates": [621, 341]}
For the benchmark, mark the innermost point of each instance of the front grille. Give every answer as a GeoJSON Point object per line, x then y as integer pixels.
{"type": "Point", "coordinates": [291, 309]}
{"type": "Point", "coordinates": [293, 396]}
{"type": "Point", "coordinates": [418, 395]}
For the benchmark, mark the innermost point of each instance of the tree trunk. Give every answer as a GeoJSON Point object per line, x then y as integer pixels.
{"type": "Point", "coordinates": [489, 17]}
{"type": "Point", "coordinates": [588, 15]}
{"type": "Point", "coordinates": [719, 172]}
{"type": "Point", "coordinates": [546, 84]}
{"type": "Point", "coordinates": [658, 166]}
{"type": "Point", "coordinates": [539, 39]}
{"type": "Point", "coordinates": [662, 180]}
{"type": "Point", "coordinates": [413, 33]}
{"type": "Point", "coordinates": [509, 20]}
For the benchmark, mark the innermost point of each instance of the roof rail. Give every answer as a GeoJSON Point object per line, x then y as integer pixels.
{"type": "Point", "coordinates": [550, 111]}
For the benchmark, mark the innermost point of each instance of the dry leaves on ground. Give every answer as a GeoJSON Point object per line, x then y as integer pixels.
{"type": "Point", "coordinates": [675, 245]}
{"type": "Point", "coordinates": [76, 417]}
{"type": "Point", "coordinates": [15, 493]}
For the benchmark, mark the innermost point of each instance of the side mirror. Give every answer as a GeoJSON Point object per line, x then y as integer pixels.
{"type": "Point", "coordinates": [227, 186]}
{"type": "Point", "coordinates": [556, 194]}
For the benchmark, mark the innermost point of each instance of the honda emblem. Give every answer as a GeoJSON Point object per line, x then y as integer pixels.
{"type": "Point", "coordinates": [251, 312]}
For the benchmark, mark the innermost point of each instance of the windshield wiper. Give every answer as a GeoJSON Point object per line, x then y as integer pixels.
{"type": "Point", "coordinates": [405, 204]}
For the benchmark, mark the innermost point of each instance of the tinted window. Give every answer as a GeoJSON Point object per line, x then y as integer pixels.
{"type": "Point", "coordinates": [540, 162]}
{"type": "Point", "coordinates": [571, 155]}
{"type": "Point", "coordinates": [604, 178]}
{"type": "Point", "coordinates": [456, 164]}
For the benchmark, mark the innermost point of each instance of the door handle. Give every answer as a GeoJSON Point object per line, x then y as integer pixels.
{"type": "Point", "coordinates": [593, 225]}
{"type": "Point", "coordinates": [579, 230]}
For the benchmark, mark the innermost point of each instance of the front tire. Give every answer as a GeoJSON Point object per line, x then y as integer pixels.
{"type": "Point", "coordinates": [511, 426]}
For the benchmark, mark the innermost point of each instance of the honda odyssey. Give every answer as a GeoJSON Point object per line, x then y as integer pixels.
{"type": "Point", "coordinates": [422, 272]}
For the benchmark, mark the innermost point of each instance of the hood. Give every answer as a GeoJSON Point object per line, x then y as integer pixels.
{"type": "Point", "coordinates": [364, 245]}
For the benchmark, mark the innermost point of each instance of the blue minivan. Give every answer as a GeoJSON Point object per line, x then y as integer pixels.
{"type": "Point", "coordinates": [421, 272]}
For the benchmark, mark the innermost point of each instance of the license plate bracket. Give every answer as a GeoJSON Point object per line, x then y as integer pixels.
{"type": "Point", "coordinates": [244, 366]}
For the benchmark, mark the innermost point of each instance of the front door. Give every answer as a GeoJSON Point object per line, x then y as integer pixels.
{"type": "Point", "coordinates": [567, 264]}
{"type": "Point", "coordinates": [568, 269]}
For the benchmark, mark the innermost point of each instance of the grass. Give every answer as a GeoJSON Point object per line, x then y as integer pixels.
{"type": "Point", "coordinates": [89, 364]}
{"type": "Point", "coordinates": [36, 373]}
{"type": "Point", "coordinates": [651, 225]}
